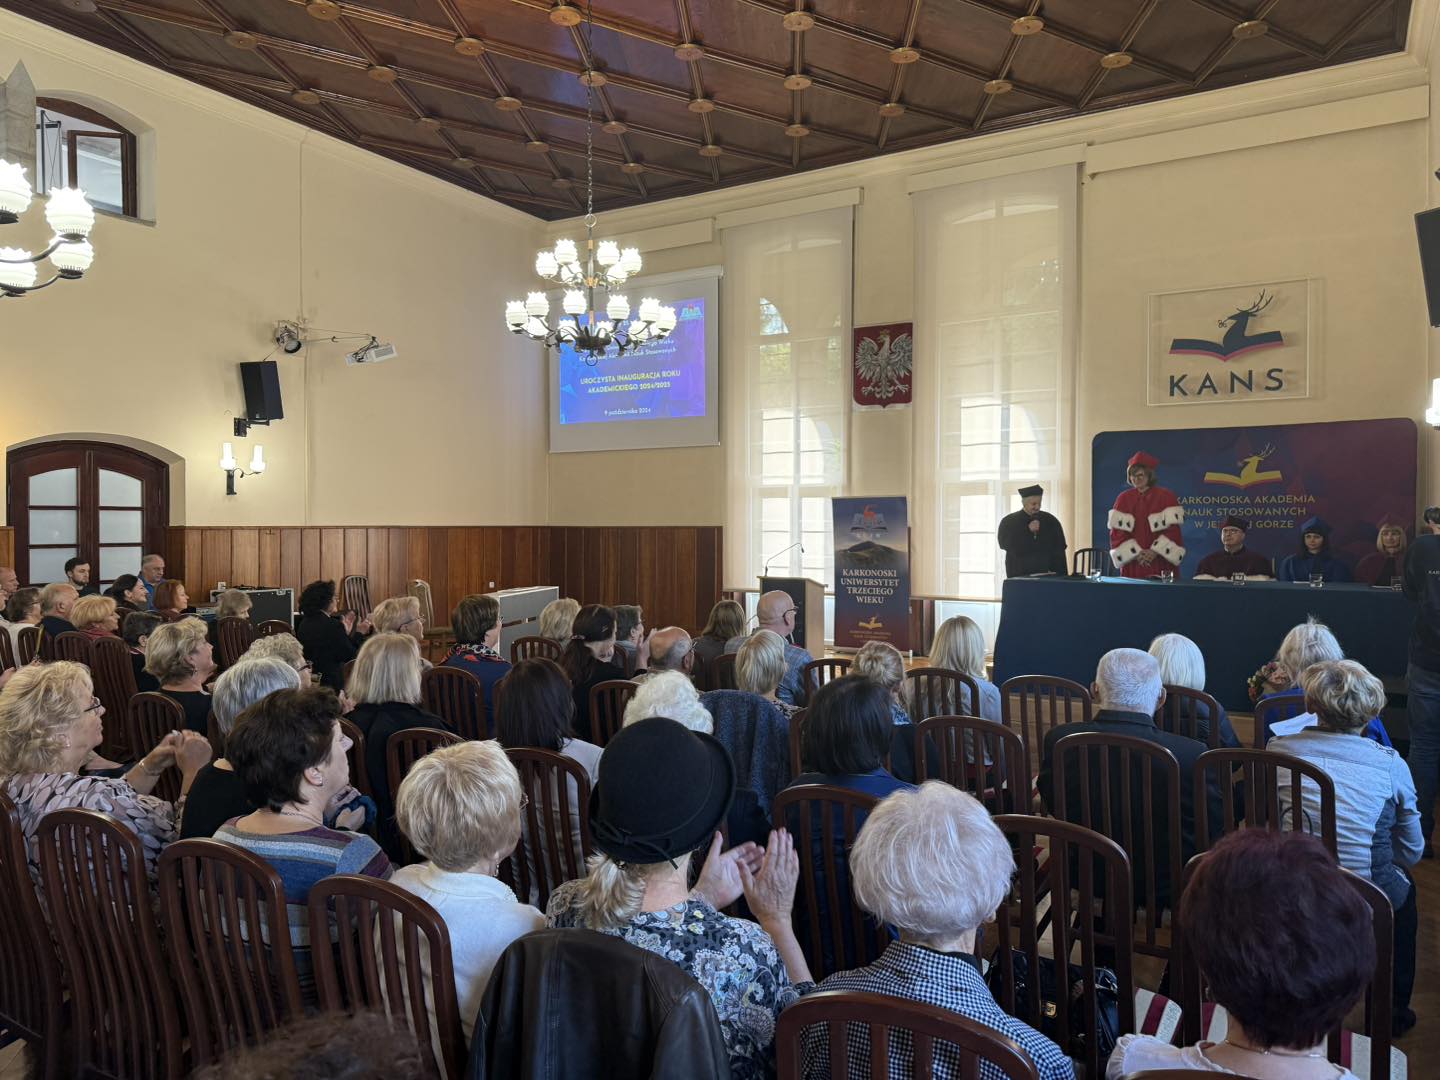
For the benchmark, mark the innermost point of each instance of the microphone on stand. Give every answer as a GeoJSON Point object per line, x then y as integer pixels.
{"type": "Point", "coordinates": [782, 551]}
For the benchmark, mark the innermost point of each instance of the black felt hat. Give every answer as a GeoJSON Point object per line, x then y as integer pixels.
{"type": "Point", "coordinates": [1033, 489]}
{"type": "Point", "coordinates": [1233, 522]}
{"type": "Point", "coordinates": [662, 792]}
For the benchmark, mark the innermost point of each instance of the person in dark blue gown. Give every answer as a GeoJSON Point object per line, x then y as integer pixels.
{"type": "Point", "coordinates": [1314, 556]}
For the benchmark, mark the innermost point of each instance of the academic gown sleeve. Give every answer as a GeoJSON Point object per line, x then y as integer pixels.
{"type": "Point", "coordinates": [1164, 518]}
{"type": "Point", "coordinates": [1057, 546]}
{"type": "Point", "coordinates": [1124, 548]}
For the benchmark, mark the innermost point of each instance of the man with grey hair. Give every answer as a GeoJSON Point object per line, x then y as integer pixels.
{"type": "Point", "coordinates": [1128, 693]}
{"type": "Point", "coordinates": [56, 600]}
{"type": "Point", "coordinates": [9, 584]}
{"type": "Point", "coordinates": [776, 612]}
{"type": "Point", "coordinates": [670, 650]}
{"type": "Point", "coordinates": [152, 572]}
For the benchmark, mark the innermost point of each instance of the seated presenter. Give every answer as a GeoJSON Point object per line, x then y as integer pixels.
{"type": "Point", "coordinates": [1387, 562]}
{"type": "Point", "coordinates": [1033, 541]}
{"type": "Point", "coordinates": [1314, 557]}
{"type": "Point", "coordinates": [1233, 557]}
{"type": "Point", "coordinates": [1145, 524]}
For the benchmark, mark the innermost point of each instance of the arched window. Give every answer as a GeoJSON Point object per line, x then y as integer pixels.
{"type": "Point", "coordinates": [76, 146]}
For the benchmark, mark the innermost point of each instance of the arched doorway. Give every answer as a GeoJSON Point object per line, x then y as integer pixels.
{"type": "Point", "coordinates": [103, 502]}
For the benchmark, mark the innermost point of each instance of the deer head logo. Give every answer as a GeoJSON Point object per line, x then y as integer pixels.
{"type": "Point", "coordinates": [1237, 339]}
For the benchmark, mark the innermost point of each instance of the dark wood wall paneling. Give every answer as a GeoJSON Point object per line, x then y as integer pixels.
{"type": "Point", "coordinates": [673, 572]}
{"type": "Point", "coordinates": [7, 545]}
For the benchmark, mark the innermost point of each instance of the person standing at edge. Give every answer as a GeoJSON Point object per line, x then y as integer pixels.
{"type": "Point", "coordinates": [1145, 523]}
{"type": "Point", "coordinates": [1033, 541]}
{"type": "Point", "coordinates": [1422, 677]}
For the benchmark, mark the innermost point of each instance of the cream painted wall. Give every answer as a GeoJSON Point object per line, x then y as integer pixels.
{"type": "Point", "coordinates": [257, 220]}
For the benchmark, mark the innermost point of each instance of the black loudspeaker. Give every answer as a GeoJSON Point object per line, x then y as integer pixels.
{"type": "Point", "coordinates": [1427, 230]}
{"type": "Point", "coordinates": [262, 391]}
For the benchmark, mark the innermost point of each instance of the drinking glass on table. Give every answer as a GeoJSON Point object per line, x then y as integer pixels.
{"type": "Point", "coordinates": [1167, 576]}
{"type": "Point", "coordinates": [1397, 583]}
{"type": "Point", "coordinates": [1238, 577]}
{"type": "Point", "coordinates": [1094, 573]}
{"type": "Point", "coordinates": [1317, 580]}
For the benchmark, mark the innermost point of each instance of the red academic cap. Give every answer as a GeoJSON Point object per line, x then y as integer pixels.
{"type": "Point", "coordinates": [1141, 458]}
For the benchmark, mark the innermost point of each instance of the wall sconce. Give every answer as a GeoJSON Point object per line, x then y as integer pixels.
{"type": "Point", "coordinates": [1432, 414]}
{"type": "Point", "coordinates": [232, 468]}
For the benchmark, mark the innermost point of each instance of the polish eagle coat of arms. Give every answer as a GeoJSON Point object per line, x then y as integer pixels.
{"type": "Point", "coordinates": [884, 360]}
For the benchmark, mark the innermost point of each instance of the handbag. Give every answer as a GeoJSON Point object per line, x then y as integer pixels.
{"type": "Point", "coordinates": [1072, 1042]}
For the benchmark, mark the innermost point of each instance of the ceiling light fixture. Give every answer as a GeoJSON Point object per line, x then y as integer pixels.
{"type": "Point", "coordinates": [68, 214]}
{"type": "Point", "coordinates": [594, 332]}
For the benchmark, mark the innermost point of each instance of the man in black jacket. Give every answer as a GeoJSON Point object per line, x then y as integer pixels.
{"type": "Point", "coordinates": [1422, 678]}
{"type": "Point", "coordinates": [56, 600]}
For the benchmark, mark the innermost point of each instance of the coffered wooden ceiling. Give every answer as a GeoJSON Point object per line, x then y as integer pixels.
{"type": "Point", "coordinates": [691, 95]}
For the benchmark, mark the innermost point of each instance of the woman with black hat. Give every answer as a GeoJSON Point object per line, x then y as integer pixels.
{"type": "Point", "coordinates": [647, 821]}
{"type": "Point", "coordinates": [1314, 559]}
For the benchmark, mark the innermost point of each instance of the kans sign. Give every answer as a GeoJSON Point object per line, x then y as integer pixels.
{"type": "Point", "coordinates": [872, 572]}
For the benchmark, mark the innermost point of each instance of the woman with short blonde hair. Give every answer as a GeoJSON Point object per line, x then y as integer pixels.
{"type": "Point", "coordinates": [398, 615]}
{"type": "Point", "coordinates": [233, 604]}
{"type": "Point", "coordinates": [881, 663]}
{"type": "Point", "coordinates": [284, 647]}
{"type": "Point", "coordinates": [760, 666]}
{"type": "Point", "coordinates": [96, 616]}
{"type": "Point", "coordinates": [557, 619]}
{"type": "Point", "coordinates": [1387, 562]}
{"type": "Point", "coordinates": [180, 656]}
{"type": "Point", "coordinates": [1311, 642]}
{"type": "Point", "coordinates": [959, 645]}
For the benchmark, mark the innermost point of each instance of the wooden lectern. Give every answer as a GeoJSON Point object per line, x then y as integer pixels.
{"type": "Point", "coordinates": [809, 598]}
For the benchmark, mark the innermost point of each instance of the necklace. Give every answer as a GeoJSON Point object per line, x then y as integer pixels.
{"type": "Point", "coordinates": [317, 822]}
{"type": "Point", "coordinates": [1312, 1054]}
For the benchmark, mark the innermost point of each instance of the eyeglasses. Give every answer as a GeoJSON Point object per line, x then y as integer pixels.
{"type": "Point", "coordinates": [95, 705]}
{"type": "Point", "coordinates": [407, 622]}
{"type": "Point", "coordinates": [307, 666]}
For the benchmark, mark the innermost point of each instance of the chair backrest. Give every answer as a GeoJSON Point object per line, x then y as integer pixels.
{"type": "Point", "coordinates": [28, 641]}
{"type": "Point", "coordinates": [355, 594]}
{"type": "Point", "coordinates": [549, 853]}
{"type": "Point", "coordinates": [402, 750]}
{"type": "Point", "coordinates": [979, 756]}
{"type": "Point", "coordinates": [824, 821]}
{"type": "Point", "coordinates": [152, 716]}
{"type": "Point", "coordinates": [228, 937]}
{"type": "Point", "coordinates": [7, 650]}
{"type": "Point", "coordinates": [274, 626]}
{"type": "Point", "coordinates": [420, 589]}
{"type": "Point", "coordinates": [458, 698]}
{"type": "Point", "coordinates": [934, 691]}
{"type": "Point", "coordinates": [73, 645]}
{"type": "Point", "coordinates": [1040, 916]}
{"type": "Point", "coordinates": [817, 673]}
{"type": "Point", "coordinates": [31, 997]}
{"type": "Point", "coordinates": [624, 659]}
{"type": "Point", "coordinates": [1087, 559]}
{"type": "Point", "coordinates": [1253, 793]}
{"type": "Point", "coordinates": [1267, 713]}
{"type": "Point", "coordinates": [722, 673]}
{"type": "Point", "coordinates": [1127, 789]}
{"type": "Point", "coordinates": [346, 669]}
{"type": "Point", "coordinates": [124, 1018]}
{"type": "Point", "coordinates": [235, 635]}
{"type": "Point", "coordinates": [607, 708]}
{"type": "Point", "coordinates": [1033, 704]}
{"type": "Point", "coordinates": [377, 962]}
{"type": "Point", "coordinates": [1192, 713]}
{"type": "Point", "coordinates": [529, 648]}
{"type": "Point", "coordinates": [880, 1035]}
{"type": "Point", "coordinates": [359, 773]}
{"type": "Point", "coordinates": [114, 679]}
{"type": "Point", "coordinates": [797, 735]}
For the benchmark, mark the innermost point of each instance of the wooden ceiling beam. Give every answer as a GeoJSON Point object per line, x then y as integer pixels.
{"type": "Point", "coordinates": [897, 78]}
{"type": "Point", "coordinates": [1132, 31]}
{"type": "Point", "coordinates": [1222, 50]}
{"type": "Point", "coordinates": [1353, 27]}
{"type": "Point", "coordinates": [1274, 33]}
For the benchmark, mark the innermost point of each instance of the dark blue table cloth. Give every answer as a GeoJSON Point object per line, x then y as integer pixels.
{"type": "Point", "coordinates": [1062, 626]}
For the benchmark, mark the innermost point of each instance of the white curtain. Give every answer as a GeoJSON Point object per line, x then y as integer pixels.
{"type": "Point", "coordinates": [785, 388]}
{"type": "Point", "coordinates": [995, 325]}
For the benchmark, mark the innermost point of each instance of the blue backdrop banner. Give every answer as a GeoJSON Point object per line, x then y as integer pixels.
{"type": "Point", "coordinates": [872, 572]}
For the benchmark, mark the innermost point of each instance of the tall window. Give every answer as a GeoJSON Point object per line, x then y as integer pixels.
{"type": "Point", "coordinates": [786, 390]}
{"type": "Point", "coordinates": [79, 147]}
{"type": "Point", "coordinates": [995, 320]}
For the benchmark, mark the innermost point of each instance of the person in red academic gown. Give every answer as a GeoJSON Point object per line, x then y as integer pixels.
{"type": "Point", "coordinates": [1233, 557]}
{"type": "Point", "coordinates": [1145, 524]}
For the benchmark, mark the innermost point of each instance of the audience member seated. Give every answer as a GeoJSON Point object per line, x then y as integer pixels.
{"type": "Point", "coordinates": [536, 713]}
{"type": "Point", "coordinates": [475, 623]}
{"type": "Point", "coordinates": [327, 1046]}
{"type": "Point", "coordinates": [673, 696]}
{"type": "Point", "coordinates": [1286, 972]}
{"type": "Point", "coordinates": [289, 752]}
{"type": "Point", "coordinates": [647, 822]}
{"type": "Point", "coordinates": [959, 645]}
{"type": "Point", "coordinates": [171, 600]}
{"type": "Point", "coordinates": [755, 731]}
{"type": "Point", "coordinates": [136, 630]}
{"type": "Point", "coordinates": [284, 647]}
{"type": "Point", "coordinates": [1311, 642]}
{"type": "Point", "coordinates": [776, 612]}
{"type": "Point", "coordinates": [1377, 822]}
{"type": "Point", "coordinates": [181, 658]}
{"type": "Point", "coordinates": [129, 594]}
{"type": "Point", "coordinates": [77, 573]}
{"type": "Point", "coordinates": [588, 660]}
{"type": "Point", "coordinates": [9, 583]}
{"type": "Point", "coordinates": [22, 609]}
{"type": "Point", "coordinates": [218, 793]}
{"type": "Point", "coordinates": [629, 632]}
{"type": "Point", "coordinates": [56, 600]}
{"type": "Point", "coordinates": [50, 726]}
{"type": "Point", "coordinates": [460, 808]}
{"type": "Point", "coordinates": [152, 572]}
{"type": "Point", "coordinates": [401, 615]}
{"type": "Point", "coordinates": [1127, 692]}
{"type": "Point", "coordinates": [1233, 557]}
{"type": "Point", "coordinates": [1314, 556]}
{"type": "Point", "coordinates": [670, 650]}
{"type": "Point", "coordinates": [1182, 664]}
{"type": "Point", "coordinates": [385, 686]}
{"type": "Point", "coordinates": [882, 664]}
{"type": "Point", "coordinates": [233, 604]}
{"type": "Point", "coordinates": [760, 666]}
{"type": "Point", "coordinates": [1387, 562]}
{"type": "Point", "coordinates": [727, 620]}
{"type": "Point", "coordinates": [557, 620]}
{"type": "Point", "coordinates": [95, 616]}
{"type": "Point", "coordinates": [932, 864]}
{"type": "Point", "coordinates": [330, 641]}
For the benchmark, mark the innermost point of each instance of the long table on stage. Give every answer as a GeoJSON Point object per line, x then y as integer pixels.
{"type": "Point", "coordinates": [1062, 626]}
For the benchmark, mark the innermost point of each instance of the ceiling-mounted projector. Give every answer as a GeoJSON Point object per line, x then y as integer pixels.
{"type": "Point", "coordinates": [373, 353]}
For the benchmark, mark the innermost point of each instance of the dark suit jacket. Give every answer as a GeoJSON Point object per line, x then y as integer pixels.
{"type": "Point", "coordinates": [378, 721]}
{"type": "Point", "coordinates": [1140, 726]}
{"type": "Point", "coordinates": [328, 648]}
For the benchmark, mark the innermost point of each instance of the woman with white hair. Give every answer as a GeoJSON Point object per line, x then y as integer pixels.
{"type": "Point", "coordinates": [760, 666]}
{"type": "Point", "coordinates": [1182, 664]}
{"type": "Point", "coordinates": [959, 645]}
{"type": "Point", "coordinates": [1311, 642]}
{"type": "Point", "coordinates": [930, 863]}
{"type": "Point", "coordinates": [180, 655]}
{"type": "Point", "coordinates": [557, 619]}
{"type": "Point", "coordinates": [670, 694]}
{"type": "Point", "coordinates": [284, 647]}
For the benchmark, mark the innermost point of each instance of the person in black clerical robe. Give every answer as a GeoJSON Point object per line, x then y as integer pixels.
{"type": "Point", "coordinates": [1033, 541]}
{"type": "Point", "coordinates": [1233, 557]}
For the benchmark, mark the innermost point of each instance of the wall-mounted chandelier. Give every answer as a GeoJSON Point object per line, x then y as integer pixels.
{"type": "Point", "coordinates": [592, 331]}
{"type": "Point", "coordinates": [68, 214]}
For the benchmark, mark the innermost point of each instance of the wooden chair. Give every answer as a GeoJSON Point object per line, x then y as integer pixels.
{"type": "Point", "coordinates": [895, 1036]}
{"type": "Point", "coordinates": [74, 646]}
{"type": "Point", "coordinates": [219, 904]}
{"type": "Point", "coordinates": [934, 691]}
{"type": "Point", "coordinates": [1117, 785]}
{"type": "Point", "coordinates": [1254, 794]}
{"type": "Point", "coordinates": [7, 651]}
{"type": "Point", "coordinates": [979, 756]}
{"type": "Point", "coordinates": [722, 673]}
{"type": "Point", "coordinates": [152, 716]}
{"type": "Point", "coordinates": [1033, 704]}
{"type": "Point", "coordinates": [531, 648]}
{"type": "Point", "coordinates": [436, 635]}
{"type": "Point", "coordinates": [235, 635]}
{"type": "Point", "coordinates": [607, 708]}
{"type": "Point", "coordinates": [797, 738]}
{"type": "Point", "coordinates": [359, 774]}
{"type": "Point", "coordinates": [274, 626]}
{"type": "Point", "coordinates": [114, 679]}
{"type": "Point", "coordinates": [817, 673]}
{"type": "Point", "coordinates": [458, 698]}
{"type": "Point", "coordinates": [1040, 915]}
{"type": "Point", "coordinates": [402, 750]}
{"type": "Point", "coordinates": [1087, 559]}
{"type": "Point", "coordinates": [31, 993]}
{"type": "Point", "coordinates": [824, 821]}
{"type": "Point", "coordinates": [386, 935]}
{"type": "Point", "coordinates": [124, 1018]}
{"type": "Point", "coordinates": [1192, 713]}
{"type": "Point", "coordinates": [549, 853]}
{"type": "Point", "coordinates": [1280, 708]}
{"type": "Point", "coordinates": [28, 641]}
{"type": "Point", "coordinates": [355, 595]}
{"type": "Point", "coordinates": [624, 659]}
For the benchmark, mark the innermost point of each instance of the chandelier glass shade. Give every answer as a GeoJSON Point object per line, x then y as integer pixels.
{"type": "Point", "coordinates": [70, 217]}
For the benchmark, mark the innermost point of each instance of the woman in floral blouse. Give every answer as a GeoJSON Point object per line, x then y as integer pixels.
{"type": "Point", "coordinates": [50, 725]}
{"type": "Point", "coordinates": [646, 823]}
